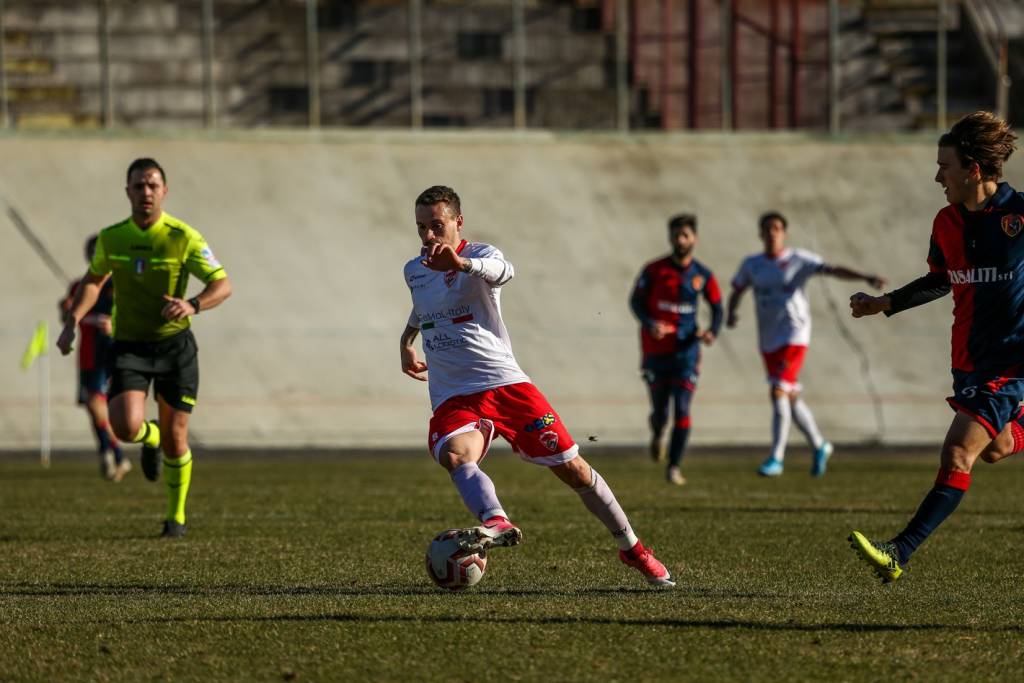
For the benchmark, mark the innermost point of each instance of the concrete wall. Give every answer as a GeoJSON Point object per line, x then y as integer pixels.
{"type": "Point", "coordinates": [314, 232]}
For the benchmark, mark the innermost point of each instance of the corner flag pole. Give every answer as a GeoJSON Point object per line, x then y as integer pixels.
{"type": "Point", "coordinates": [37, 348]}
{"type": "Point", "coordinates": [44, 410]}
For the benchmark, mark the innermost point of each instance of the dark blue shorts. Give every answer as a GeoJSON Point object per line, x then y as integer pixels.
{"type": "Point", "coordinates": [92, 382]}
{"type": "Point", "coordinates": [991, 398]}
{"type": "Point", "coordinates": [682, 367]}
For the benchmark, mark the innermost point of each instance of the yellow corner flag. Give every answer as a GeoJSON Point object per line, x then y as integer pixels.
{"type": "Point", "coordinates": [36, 347]}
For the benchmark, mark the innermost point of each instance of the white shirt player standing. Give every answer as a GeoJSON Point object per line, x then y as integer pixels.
{"type": "Point", "coordinates": [778, 276]}
{"type": "Point", "coordinates": [478, 390]}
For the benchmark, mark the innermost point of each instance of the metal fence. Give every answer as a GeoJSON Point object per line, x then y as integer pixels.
{"type": "Point", "coordinates": [576, 64]}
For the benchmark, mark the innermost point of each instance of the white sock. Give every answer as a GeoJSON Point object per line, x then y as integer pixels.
{"type": "Point", "coordinates": [477, 491]}
{"type": "Point", "coordinates": [600, 500]}
{"type": "Point", "coordinates": [805, 421]}
{"type": "Point", "coordinates": [780, 427]}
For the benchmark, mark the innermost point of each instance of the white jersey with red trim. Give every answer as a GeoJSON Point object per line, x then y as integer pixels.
{"type": "Point", "coordinates": [783, 311]}
{"type": "Point", "coordinates": [465, 342]}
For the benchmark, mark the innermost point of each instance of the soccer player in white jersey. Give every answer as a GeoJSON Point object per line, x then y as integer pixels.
{"type": "Point", "coordinates": [477, 388]}
{"type": "Point", "coordinates": [778, 276]}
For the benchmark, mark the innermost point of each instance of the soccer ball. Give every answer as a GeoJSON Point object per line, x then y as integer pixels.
{"type": "Point", "coordinates": [452, 567]}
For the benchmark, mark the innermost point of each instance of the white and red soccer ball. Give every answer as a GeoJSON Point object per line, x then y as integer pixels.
{"type": "Point", "coordinates": [451, 567]}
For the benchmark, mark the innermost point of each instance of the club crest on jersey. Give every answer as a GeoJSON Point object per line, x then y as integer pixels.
{"type": "Point", "coordinates": [139, 266]}
{"type": "Point", "coordinates": [697, 282]}
{"type": "Point", "coordinates": [449, 278]}
{"type": "Point", "coordinates": [1012, 224]}
{"type": "Point", "coordinates": [550, 440]}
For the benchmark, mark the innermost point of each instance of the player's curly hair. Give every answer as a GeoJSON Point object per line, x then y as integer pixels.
{"type": "Point", "coordinates": [440, 193]}
{"type": "Point", "coordinates": [982, 138]}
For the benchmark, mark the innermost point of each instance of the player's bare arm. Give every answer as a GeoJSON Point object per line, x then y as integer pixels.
{"type": "Point", "coordinates": [844, 273]}
{"type": "Point", "coordinates": [411, 364]}
{"type": "Point", "coordinates": [213, 295]}
{"type": "Point", "coordinates": [85, 298]}
{"type": "Point", "coordinates": [734, 303]}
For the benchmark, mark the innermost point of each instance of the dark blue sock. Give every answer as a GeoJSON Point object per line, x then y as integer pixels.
{"type": "Point", "coordinates": [677, 444]}
{"type": "Point", "coordinates": [660, 396]}
{"type": "Point", "coordinates": [939, 504]}
{"type": "Point", "coordinates": [682, 395]}
{"type": "Point", "coordinates": [102, 437]}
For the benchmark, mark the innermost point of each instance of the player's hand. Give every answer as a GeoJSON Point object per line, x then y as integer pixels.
{"type": "Point", "coordinates": [707, 336]}
{"type": "Point", "coordinates": [862, 304]}
{"type": "Point", "coordinates": [176, 309]}
{"type": "Point", "coordinates": [66, 338]}
{"type": "Point", "coordinates": [413, 366]}
{"type": "Point", "coordinates": [443, 258]}
{"type": "Point", "coordinates": [731, 320]}
{"type": "Point", "coordinates": [106, 324]}
{"type": "Point", "coordinates": [660, 329]}
{"type": "Point", "coordinates": [875, 281]}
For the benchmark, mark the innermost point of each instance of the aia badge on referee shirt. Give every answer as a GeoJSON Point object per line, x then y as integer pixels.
{"type": "Point", "coordinates": [1012, 224]}
{"type": "Point", "coordinates": [697, 282]}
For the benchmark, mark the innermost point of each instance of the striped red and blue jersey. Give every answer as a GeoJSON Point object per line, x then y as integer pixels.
{"type": "Point", "coordinates": [668, 292]}
{"type": "Point", "coordinates": [981, 255]}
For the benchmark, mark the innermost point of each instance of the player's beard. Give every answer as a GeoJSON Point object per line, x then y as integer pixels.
{"type": "Point", "coordinates": [680, 254]}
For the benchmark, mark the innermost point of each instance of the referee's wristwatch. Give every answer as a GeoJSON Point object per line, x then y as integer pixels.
{"type": "Point", "coordinates": [195, 304]}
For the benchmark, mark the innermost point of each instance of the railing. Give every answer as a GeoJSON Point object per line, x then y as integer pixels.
{"type": "Point", "coordinates": [728, 64]}
{"type": "Point", "coordinates": [984, 19]}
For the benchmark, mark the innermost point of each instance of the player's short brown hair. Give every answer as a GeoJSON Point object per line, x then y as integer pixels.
{"type": "Point", "coordinates": [683, 220]}
{"type": "Point", "coordinates": [436, 194]}
{"type": "Point", "coordinates": [982, 138]}
{"type": "Point", "coordinates": [145, 164]}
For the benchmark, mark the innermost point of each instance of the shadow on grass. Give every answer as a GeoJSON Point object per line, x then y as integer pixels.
{"type": "Point", "coordinates": [125, 589]}
{"type": "Point", "coordinates": [714, 624]}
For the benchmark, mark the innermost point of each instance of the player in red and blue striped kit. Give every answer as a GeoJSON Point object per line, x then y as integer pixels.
{"type": "Point", "coordinates": [665, 301]}
{"type": "Point", "coordinates": [977, 251]}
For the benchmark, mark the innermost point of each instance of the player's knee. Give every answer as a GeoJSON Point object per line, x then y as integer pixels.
{"type": "Point", "coordinates": [958, 458]}
{"type": "Point", "coordinates": [576, 473]}
{"type": "Point", "coordinates": [778, 392]}
{"type": "Point", "coordinates": [453, 458]}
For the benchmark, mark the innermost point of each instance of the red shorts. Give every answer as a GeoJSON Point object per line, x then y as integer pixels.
{"type": "Point", "coordinates": [518, 412]}
{"type": "Point", "coordinates": [783, 366]}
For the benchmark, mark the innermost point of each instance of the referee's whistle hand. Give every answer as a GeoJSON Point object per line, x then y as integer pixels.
{"type": "Point", "coordinates": [176, 309]}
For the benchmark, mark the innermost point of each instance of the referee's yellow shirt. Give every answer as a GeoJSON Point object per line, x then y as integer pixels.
{"type": "Point", "coordinates": [145, 265]}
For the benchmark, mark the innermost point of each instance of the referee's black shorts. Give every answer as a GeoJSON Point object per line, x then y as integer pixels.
{"type": "Point", "coordinates": [171, 364]}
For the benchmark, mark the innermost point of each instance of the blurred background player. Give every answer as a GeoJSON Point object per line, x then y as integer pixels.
{"type": "Point", "coordinates": [477, 388]}
{"type": "Point", "coordinates": [94, 371]}
{"type": "Point", "coordinates": [149, 257]}
{"type": "Point", "coordinates": [977, 250]}
{"type": "Point", "coordinates": [779, 276]}
{"type": "Point", "coordinates": [664, 300]}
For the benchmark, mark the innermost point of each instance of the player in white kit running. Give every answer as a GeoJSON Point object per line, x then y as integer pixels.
{"type": "Point", "coordinates": [477, 388]}
{"type": "Point", "coordinates": [778, 276]}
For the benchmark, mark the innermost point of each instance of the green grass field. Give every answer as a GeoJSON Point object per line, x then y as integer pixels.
{"type": "Point", "coordinates": [311, 569]}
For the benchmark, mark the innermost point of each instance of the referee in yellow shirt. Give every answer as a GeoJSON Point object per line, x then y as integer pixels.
{"type": "Point", "coordinates": [150, 256]}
